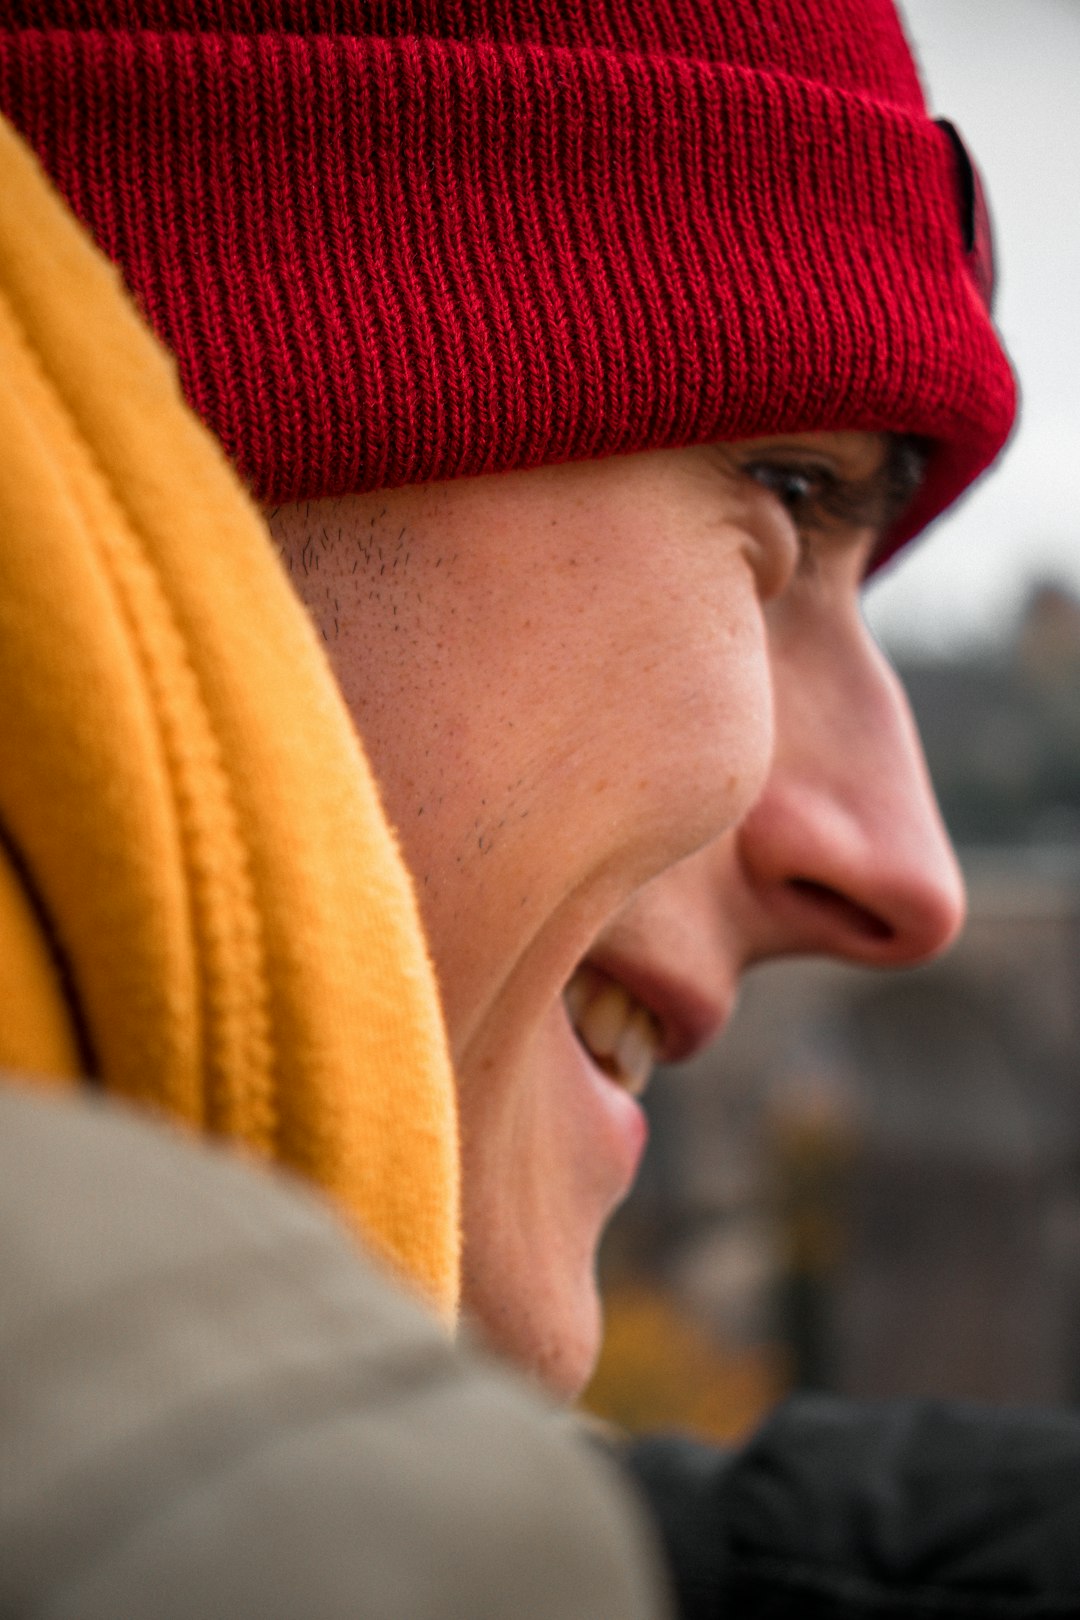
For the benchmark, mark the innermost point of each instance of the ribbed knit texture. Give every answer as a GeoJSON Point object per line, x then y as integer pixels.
{"type": "Point", "coordinates": [398, 242]}
{"type": "Point", "coordinates": [201, 904]}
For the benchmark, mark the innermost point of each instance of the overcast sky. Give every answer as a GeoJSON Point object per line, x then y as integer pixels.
{"type": "Point", "coordinates": [1007, 73]}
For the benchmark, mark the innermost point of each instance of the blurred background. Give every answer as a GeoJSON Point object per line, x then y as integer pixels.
{"type": "Point", "coordinates": [873, 1185]}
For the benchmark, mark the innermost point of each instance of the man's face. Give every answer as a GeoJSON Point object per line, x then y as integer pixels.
{"type": "Point", "coordinates": [634, 737]}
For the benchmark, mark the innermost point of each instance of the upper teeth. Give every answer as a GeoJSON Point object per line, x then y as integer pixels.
{"type": "Point", "coordinates": [622, 1035]}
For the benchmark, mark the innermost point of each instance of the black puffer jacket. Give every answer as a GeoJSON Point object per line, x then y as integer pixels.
{"type": "Point", "coordinates": [917, 1508]}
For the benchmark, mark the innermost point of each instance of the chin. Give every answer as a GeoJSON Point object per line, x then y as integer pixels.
{"type": "Point", "coordinates": [552, 1337]}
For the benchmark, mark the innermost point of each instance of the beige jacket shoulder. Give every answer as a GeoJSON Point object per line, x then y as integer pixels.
{"type": "Point", "coordinates": [213, 1410]}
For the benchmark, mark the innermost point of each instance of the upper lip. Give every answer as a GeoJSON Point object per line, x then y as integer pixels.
{"type": "Point", "coordinates": [690, 1014]}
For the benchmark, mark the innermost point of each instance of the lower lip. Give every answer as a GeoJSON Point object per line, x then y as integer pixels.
{"type": "Point", "coordinates": [619, 1124]}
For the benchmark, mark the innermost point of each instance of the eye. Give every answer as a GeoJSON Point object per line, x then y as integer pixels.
{"type": "Point", "coordinates": [801, 490]}
{"type": "Point", "coordinates": [808, 494]}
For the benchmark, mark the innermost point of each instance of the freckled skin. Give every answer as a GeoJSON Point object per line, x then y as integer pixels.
{"type": "Point", "coordinates": [499, 691]}
{"type": "Point", "coordinates": [565, 680]}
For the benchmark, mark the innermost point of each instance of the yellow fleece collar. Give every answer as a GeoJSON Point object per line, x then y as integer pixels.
{"type": "Point", "coordinates": [181, 785]}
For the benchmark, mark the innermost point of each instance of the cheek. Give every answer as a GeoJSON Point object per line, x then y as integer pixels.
{"type": "Point", "coordinates": [570, 725]}
{"type": "Point", "coordinates": [620, 717]}
{"type": "Point", "coordinates": [702, 719]}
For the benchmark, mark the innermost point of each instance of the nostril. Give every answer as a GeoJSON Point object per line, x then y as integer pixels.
{"type": "Point", "coordinates": [853, 917]}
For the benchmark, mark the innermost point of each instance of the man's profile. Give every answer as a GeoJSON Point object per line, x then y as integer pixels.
{"type": "Point", "coordinates": [580, 363]}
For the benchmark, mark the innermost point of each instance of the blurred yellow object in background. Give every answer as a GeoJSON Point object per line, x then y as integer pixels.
{"type": "Point", "coordinates": [660, 1368]}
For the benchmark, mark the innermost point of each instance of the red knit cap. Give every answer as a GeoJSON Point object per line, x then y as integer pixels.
{"type": "Point", "coordinates": [391, 241]}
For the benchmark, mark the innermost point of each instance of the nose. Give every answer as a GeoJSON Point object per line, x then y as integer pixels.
{"type": "Point", "coordinates": [845, 852]}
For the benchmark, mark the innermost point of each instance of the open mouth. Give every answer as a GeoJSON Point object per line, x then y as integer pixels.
{"type": "Point", "coordinates": [618, 1032]}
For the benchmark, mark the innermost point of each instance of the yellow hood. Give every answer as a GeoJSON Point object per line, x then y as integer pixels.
{"type": "Point", "coordinates": [201, 904]}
